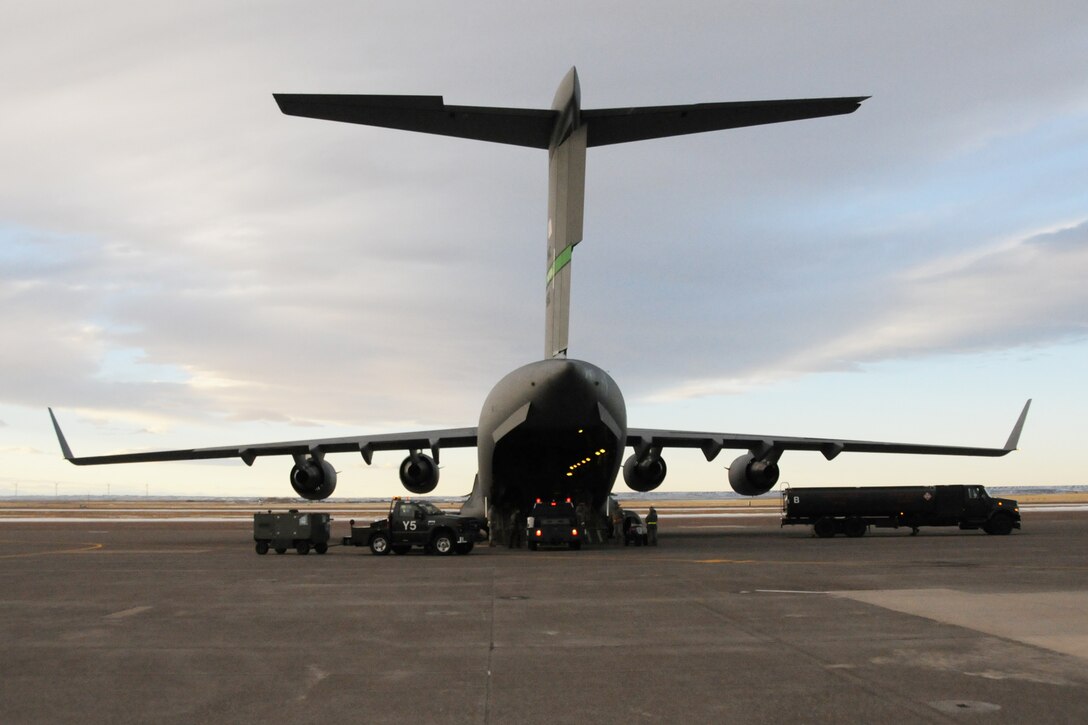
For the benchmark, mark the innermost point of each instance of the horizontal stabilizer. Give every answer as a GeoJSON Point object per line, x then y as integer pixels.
{"type": "Point", "coordinates": [620, 125]}
{"type": "Point", "coordinates": [426, 114]}
{"type": "Point", "coordinates": [534, 127]}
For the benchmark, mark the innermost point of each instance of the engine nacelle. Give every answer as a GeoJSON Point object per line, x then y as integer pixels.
{"type": "Point", "coordinates": [419, 473]}
{"type": "Point", "coordinates": [314, 479]}
{"type": "Point", "coordinates": [644, 474]}
{"type": "Point", "coordinates": [751, 476]}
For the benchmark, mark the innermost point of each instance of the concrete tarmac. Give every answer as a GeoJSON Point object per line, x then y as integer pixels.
{"type": "Point", "coordinates": [728, 620]}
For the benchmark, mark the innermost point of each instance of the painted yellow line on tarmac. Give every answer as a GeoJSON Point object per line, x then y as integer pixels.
{"type": "Point", "coordinates": [147, 552]}
{"type": "Point", "coordinates": [780, 562]}
{"type": "Point", "coordinates": [85, 549]}
{"type": "Point", "coordinates": [728, 561]}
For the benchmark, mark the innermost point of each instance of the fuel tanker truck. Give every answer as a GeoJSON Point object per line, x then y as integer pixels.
{"type": "Point", "coordinates": [851, 511]}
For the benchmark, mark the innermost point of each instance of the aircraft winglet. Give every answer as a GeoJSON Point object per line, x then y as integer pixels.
{"type": "Point", "coordinates": [60, 438]}
{"type": "Point", "coordinates": [1014, 437]}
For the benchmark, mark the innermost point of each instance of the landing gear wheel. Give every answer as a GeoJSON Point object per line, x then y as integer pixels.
{"type": "Point", "coordinates": [464, 548]}
{"type": "Point", "coordinates": [379, 544]}
{"type": "Point", "coordinates": [303, 548]}
{"type": "Point", "coordinates": [262, 547]}
{"type": "Point", "coordinates": [824, 528]}
{"type": "Point", "coordinates": [321, 548]}
{"type": "Point", "coordinates": [443, 544]}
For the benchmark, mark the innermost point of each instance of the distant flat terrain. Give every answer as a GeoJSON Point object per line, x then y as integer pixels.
{"type": "Point", "coordinates": [227, 509]}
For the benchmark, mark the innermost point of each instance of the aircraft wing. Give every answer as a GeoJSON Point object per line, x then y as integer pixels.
{"type": "Point", "coordinates": [364, 445]}
{"type": "Point", "coordinates": [646, 439]}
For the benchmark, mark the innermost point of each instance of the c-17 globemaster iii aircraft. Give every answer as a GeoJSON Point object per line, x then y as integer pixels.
{"type": "Point", "coordinates": [555, 428]}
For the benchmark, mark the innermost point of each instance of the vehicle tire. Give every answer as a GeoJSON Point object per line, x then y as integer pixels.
{"type": "Point", "coordinates": [401, 549]}
{"type": "Point", "coordinates": [303, 548]}
{"type": "Point", "coordinates": [824, 528]}
{"type": "Point", "coordinates": [321, 548]}
{"type": "Point", "coordinates": [854, 528]}
{"type": "Point", "coordinates": [575, 545]}
{"type": "Point", "coordinates": [379, 544]}
{"type": "Point", "coordinates": [443, 543]}
{"type": "Point", "coordinates": [998, 525]}
{"type": "Point", "coordinates": [464, 548]}
{"type": "Point", "coordinates": [281, 549]}
{"type": "Point", "coordinates": [262, 547]}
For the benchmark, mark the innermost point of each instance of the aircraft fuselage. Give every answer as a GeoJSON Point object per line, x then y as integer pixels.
{"type": "Point", "coordinates": [550, 429]}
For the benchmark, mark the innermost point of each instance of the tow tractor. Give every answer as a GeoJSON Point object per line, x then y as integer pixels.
{"type": "Point", "coordinates": [417, 524]}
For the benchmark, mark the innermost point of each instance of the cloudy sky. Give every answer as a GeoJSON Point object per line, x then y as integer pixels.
{"type": "Point", "coordinates": [181, 265]}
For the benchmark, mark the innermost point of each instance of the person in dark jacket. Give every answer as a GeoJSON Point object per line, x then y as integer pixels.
{"type": "Point", "coordinates": [514, 531]}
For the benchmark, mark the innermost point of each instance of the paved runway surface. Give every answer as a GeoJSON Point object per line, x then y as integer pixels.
{"type": "Point", "coordinates": [729, 620]}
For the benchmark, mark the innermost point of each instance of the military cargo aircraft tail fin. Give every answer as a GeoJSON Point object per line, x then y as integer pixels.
{"type": "Point", "coordinates": [566, 131]}
{"type": "Point", "coordinates": [566, 205]}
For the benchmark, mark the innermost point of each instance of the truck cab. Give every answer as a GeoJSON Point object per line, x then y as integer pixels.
{"type": "Point", "coordinates": [992, 514]}
{"type": "Point", "coordinates": [977, 503]}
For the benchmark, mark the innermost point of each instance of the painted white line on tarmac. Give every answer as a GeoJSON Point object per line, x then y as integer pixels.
{"type": "Point", "coordinates": [1047, 508]}
{"type": "Point", "coordinates": [127, 612]}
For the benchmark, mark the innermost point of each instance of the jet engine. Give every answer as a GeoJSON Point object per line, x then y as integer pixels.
{"type": "Point", "coordinates": [313, 478]}
{"type": "Point", "coordinates": [646, 473]}
{"type": "Point", "coordinates": [419, 473]}
{"type": "Point", "coordinates": [751, 476]}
